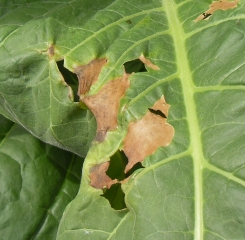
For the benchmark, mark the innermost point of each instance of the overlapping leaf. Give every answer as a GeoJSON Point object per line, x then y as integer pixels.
{"type": "Point", "coordinates": [37, 183]}
{"type": "Point", "coordinates": [33, 91]}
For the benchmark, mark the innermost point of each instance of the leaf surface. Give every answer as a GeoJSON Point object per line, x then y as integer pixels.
{"type": "Point", "coordinates": [194, 187]}
{"type": "Point", "coordinates": [33, 92]}
{"type": "Point", "coordinates": [37, 183]}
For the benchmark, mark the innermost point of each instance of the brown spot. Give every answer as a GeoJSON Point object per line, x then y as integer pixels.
{"type": "Point", "coordinates": [88, 74]}
{"type": "Point", "coordinates": [217, 5]}
{"type": "Point", "coordinates": [51, 50]}
{"type": "Point", "coordinates": [146, 135]}
{"type": "Point", "coordinates": [148, 63]}
{"type": "Point", "coordinates": [105, 105]}
{"type": "Point", "coordinates": [129, 21]}
{"type": "Point", "coordinates": [98, 176]}
{"type": "Point", "coordinates": [124, 181]}
{"type": "Point", "coordinates": [162, 106]}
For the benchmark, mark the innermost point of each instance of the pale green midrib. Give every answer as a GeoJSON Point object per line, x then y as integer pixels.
{"type": "Point", "coordinates": [188, 93]}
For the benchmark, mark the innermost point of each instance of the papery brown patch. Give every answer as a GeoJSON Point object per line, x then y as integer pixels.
{"type": "Point", "coordinates": [105, 105]}
{"type": "Point", "coordinates": [217, 5]}
{"type": "Point", "coordinates": [88, 74]}
{"type": "Point", "coordinates": [148, 63]}
{"type": "Point", "coordinates": [147, 134]}
{"type": "Point", "coordinates": [98, 177]}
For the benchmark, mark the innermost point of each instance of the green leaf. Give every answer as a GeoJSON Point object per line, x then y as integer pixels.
{"type": "Point", "coordinates": [33, 91]}
{"type": "Point", "coordinates": [192, 189]}
{"type": "Point", "coordinates": [37, 183]}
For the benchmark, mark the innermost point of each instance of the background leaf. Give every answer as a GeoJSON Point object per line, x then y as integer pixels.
{"type": "Point", "coordinates": [33, 91]}
{"type": "Point", "coordinates": [37, 183]}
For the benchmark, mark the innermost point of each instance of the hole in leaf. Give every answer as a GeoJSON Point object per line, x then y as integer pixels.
{"type": "Point", "coordinates": [139, 65]}
{"type": "Point", "coordinates": [157, 112]}
{"type": "Point", "coordinates": [70, 78]}
{"type": "Point", "coordinates": [118, 162]}
{"type": "Point", "coordinates": [114, 194]}
{"type": "Point", "coordinates": [134, 66]}
{"type": "Point", "coordinates": [206, 15]}
{"type": "Point", "coordinates": [133, 169]}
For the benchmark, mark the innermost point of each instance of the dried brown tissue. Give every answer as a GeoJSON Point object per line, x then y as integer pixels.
{"type": "Point", "coordinates": [146, 135]}
{"type": "Point", "coordinates": [217, 5]}
{"type": "Point", "coordinates": [99, 178]}
{"type": "Point", "coordinates": [88, 74]}
{"type": "Point", "coordinates": [143, 137]}
{"type": "Point", "coordinates": [148, 63]}
{"type": "Point", "coordinates": [105, 104]}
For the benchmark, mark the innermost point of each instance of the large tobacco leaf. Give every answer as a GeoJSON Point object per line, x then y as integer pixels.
{"type": "Point", "coordinates": [192, 186]}
{"type": "Point", "coordinates": [37, 183]}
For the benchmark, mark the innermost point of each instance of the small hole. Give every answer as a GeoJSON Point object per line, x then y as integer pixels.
{"type": "Point", "coordinates": [70, 78]}
{"type": "Point", "coordinates": [157, 112]}
{"type": "Point", "coordinates": [134, 66]}
{"type": "Point", "coordinates": [206, 15]}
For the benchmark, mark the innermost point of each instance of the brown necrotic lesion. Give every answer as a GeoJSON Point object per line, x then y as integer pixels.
{"type": "Point", "coordinates": [88, 74]}
{"type": "Point", "coordinates": [105, 105]}
{"type": "Point", "coordinates": [149, 133]}
{"type": "Point", "coordinates": [109, 177]}
{"type": "Point", "coordinates": [217, 5]}
{"type": "Point", "coordinates": [142, 139]}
